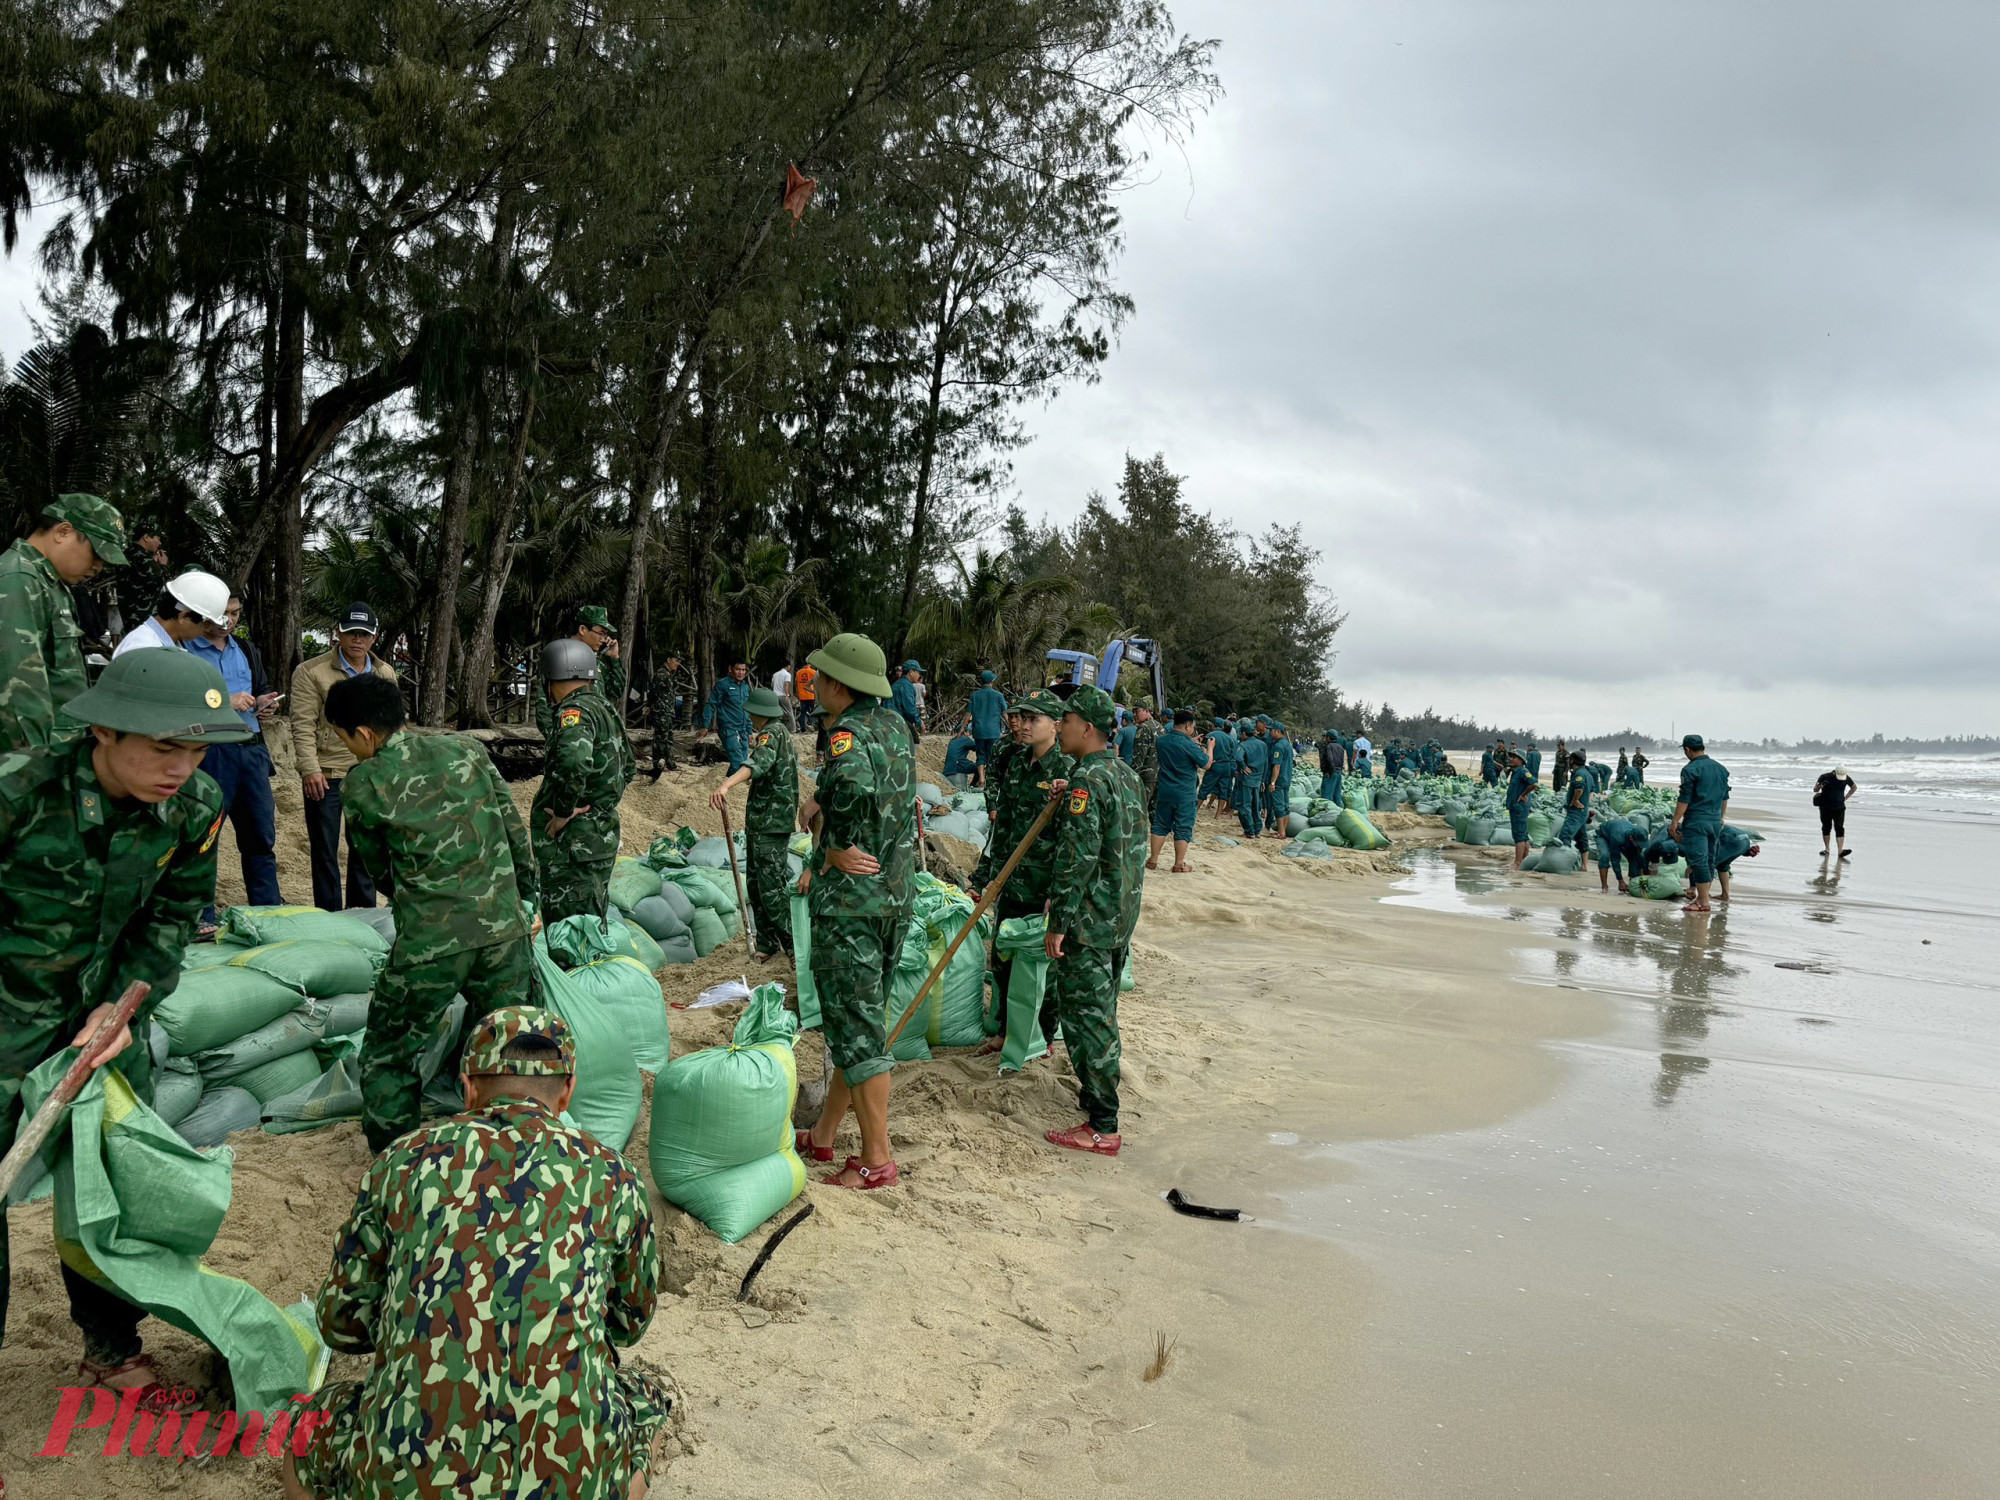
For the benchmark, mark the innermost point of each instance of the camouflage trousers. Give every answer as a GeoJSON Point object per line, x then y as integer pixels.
{"type": "Point", "coordinates": [110, 1324]}
{"type": "Point", "coordinates": [573, 888]}
{"type": "Point", "coordinates": [1085, 981]}
{"type": "Point", "coordinates": [338, 1454]}
{"type": "Point", "coordinates": [770, 881]}
{"type": "Point", "coordinates": [403, 1018]}
{"type": "Point", "coordinates": [853, 963]}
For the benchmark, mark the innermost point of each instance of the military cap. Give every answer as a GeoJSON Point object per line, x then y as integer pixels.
{"type": "Point", "coordinates": [985, 676]}
{"type": "Point", "coordinates": [596, 617]}
{"type": "Point", "coordinates": [764, 703]}
{"type": "Point", "coordinates": [508, 1024]}
{"type": "Point", "coordinates": [1692, 742]}
{"type": "Point", "coordinates": [912, 666]}
{"type": "Point", "coordinates": [1042, 702]}
{"type": "Point", "coordinates": [1264, 719]}
{"type": "Point", "coordinates": [854, 661]}
{"type": "Point", "coordinates": [164, 695]}
{"type": "Point", "coordinates": [1094, 706]}
{"type": "Point", "coordinates": [97, 519]}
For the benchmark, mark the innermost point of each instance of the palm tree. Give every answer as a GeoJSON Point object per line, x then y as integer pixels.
{"type": "Point", "coordinates": [774, 599]}
{"type": "Point", "coordinates": [72, 419]}
{"type": "Point", "coordinates": [999, 617]}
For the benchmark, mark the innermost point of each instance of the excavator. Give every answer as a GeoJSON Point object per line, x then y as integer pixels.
{"type": "Point", "coordinates": [1121, 652]}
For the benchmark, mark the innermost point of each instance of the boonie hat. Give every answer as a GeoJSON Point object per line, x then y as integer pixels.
{"type": "Point", "coordinates": [597, 617]}
{"type": "Point", "coordinates": [97, 519]}
{"type": "Point", "coordinates": [1042, 702]}
{"type": "Point", "coordinates": [1692, 742]}
{"type": "Point", "coordinates": [854, 661]}
{"type": "Point", "coordinates": [1094, 706]}
{"type": "Point", "coordinates": [358, 616]}
{"type": "Point", "coordinates": [164, 695]}
{"type": "Point", "coordinates": [764, 703]}
{"type": "Point", "coordinates": [508, 1024]}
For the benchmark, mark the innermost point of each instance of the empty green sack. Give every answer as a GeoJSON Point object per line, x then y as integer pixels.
{"type": "Point", "coordinates": [1021, 939]}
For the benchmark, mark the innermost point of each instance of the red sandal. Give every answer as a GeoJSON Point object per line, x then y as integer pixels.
{"type": "Point", "coordinates": [95, 1373]}
{"type": "Point", "coordinates": [802, 1142]}
{"type": "Point", "coordinates": [871, 1177]}
{"type": "Point", "coordinates": [1083, 1138]}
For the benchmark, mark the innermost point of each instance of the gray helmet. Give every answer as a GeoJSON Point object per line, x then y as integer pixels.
{"type": "Point", "coordinates": [568, 660]}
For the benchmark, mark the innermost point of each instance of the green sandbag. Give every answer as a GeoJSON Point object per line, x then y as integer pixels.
{"type": "Point", "coordinates": [608, 1089]}
{"type": "Point", "coordinates": [1561, 859]}
{"type": "Point", "coordinates": [632, 882]}
{"type": "Point", "coordinates": [255, 926]}
{"type": "Point", "coordinates": [1296, 824]}
{"type": "Point", "coordinates": [721, 1140]}
{"type": "Point", "coordinates": [636, 942]}
{"type": "Point", "coordinates": [696, 889]}
{"type": "Point", "coordinates": [1387, 799]}
{"type": "Point", "coordinates": [723, 881]}
{"type": "Point", "coordinates": [213, 1006]}
{"type": "Point", "coordinates": [1300, 803]}
{"type": "Point", "coordinates": [1326, 817]}
{"type": "Point", "coordinates": [208, 955]}
{"type": "Point", "coordinates": [1541, 828]}
{"type": "Point", "coordinates": [312, 966]}
{"type": "Point", "coordinates": [176, 1090]}
{"type": "Point", "coordinates": [802, 954]}
{"type": "Point", "coordinates": [221, 1112]}
{"type": "Point", "coordinates": [707, 932]}
{"type": "Point", "coordinates": [1359, 832]}
{"type": "Point", "coordinates": [624, 988]}
{"type": "Point", "coordinates": [1477, 831]}
{"type": "Point", "coordinates": [1021, 939]}
{"type": "Point", "coordinates": [961, 1011]}
{"type": "Point", "coordinates": [1660, 887]}
{"type": "Point", "coordinates": [580, 940]}
{"type": "Point", "coordinates": [1354, 793]}
{"type": "Point", "coordinates": [334, 1095]}
{"type": "Point", "coordinates": [278, 1077]}
{"type": "Point", "coordinates": [295, 1031]}
{"type": "Point", "coordinates": [657, 919]}
{"type": "Point", "coordinates": [1324, 833]}
{"type": "Point", "coordinates": [118, 1168]}
{"type": "Point", "coordinates": [1128, 977]}
{"type": "Point", "coordinates": [912, 968]}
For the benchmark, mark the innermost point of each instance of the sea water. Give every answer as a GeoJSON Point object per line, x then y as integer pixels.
{"type": "Point", "coordinates": [1752, 1243]}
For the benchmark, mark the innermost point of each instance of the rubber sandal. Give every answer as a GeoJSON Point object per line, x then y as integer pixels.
{"type": "Point", "coordinates": [1083, 1138]}
{"type": "Point", "coordinates": [802, 1142]}
{"type": "Point", "coordinates": [871, 1177]}
{"type": "Point", "coordinates": [95, 1373]}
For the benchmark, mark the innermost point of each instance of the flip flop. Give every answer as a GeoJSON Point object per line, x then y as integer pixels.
{"type": "Point", "coordinates": [871, 1177]}
{"type": "Point", "coordinates": [96, 1373]}
{"type": "Point", "coordinates": [1083, 1138]}
{"type": "Point", "coordinates": [802, 1142]}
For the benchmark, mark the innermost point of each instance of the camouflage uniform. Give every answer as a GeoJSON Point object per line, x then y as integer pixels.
{"type": "Point", "coordinates": [610, 687]}
{"type": "Point", "coordinates": [41, 650]}
{"type": "Point", "coordinates": [867, 798]}
{"type": "Point", "coordinates": [769, 820]}
{"type": "Point", "coordinates": [662, 694]}
{"type": "Point", "coordinates": [1016, 789]}
{"type": "Point", "coordinates": [1100, 867]}
{"type": "Point", "coordinates": [491, 1264]}
{"type": "Point", "coordinates": [589, 764]}
{"type": "Point", "coordinates": [94, 894]}
{"type": "Point", "coordinates": [433, 821]}
{"type": "Point", "coordinates": [1146, 758]}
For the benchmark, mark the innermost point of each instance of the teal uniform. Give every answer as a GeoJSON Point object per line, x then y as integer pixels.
{"type": "Point", "coordinates": [1253, 765]}
{"type": "Point", "coordinates": [1704, 791]}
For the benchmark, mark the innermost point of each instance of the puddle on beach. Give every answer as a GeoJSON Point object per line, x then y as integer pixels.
{"type": "Point", "coordinates": [1748, 1245]}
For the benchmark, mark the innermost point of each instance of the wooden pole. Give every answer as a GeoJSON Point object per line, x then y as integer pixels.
{"type": "Point", "coordinates": [742, 901]}
{"type": "Point", "coordinates": [993, 890]}
{"type": "Point", "coordinates": [37, 1130]}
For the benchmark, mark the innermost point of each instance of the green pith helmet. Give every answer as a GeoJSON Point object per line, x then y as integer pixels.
{"type": "Point", "coordinates": [764, 703]}
{"type": "Point", "coordinates": [163, 694]}
{"type": "Point", "coordinates": [854, 661]}
{"type": "Point", "coordinates": [1094, 706]}
{"type": "Point", "coordinates": [97, 519]}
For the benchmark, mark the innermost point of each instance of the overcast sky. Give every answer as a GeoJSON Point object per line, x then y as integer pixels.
{"type": "Point", "coordinates": [1628, 363]}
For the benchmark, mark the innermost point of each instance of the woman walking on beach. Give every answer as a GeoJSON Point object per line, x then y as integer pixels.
{"type": "Point", "coordinates": [1830, 794]}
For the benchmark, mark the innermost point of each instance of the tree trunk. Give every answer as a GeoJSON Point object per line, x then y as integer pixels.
{"type": "Point", "coordinates": [454, 519]}
{"type": "Point", "coordinates": [919, 511]}
{"type": "Point", "coordinates": [281, 651]}
{"type": "Point", "coordinates": [474, 711]}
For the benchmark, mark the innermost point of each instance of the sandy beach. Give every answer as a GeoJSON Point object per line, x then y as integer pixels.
{"type": "Point", "coordinates": [989, 1325]}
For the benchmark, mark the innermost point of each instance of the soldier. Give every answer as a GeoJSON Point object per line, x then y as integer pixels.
{"type": "Point", "coordinates": [594, 629]}
{"type": "Point", "coordinates": [726, 714]}
{"type": "Point", "coordinates": [988, 708]}
{"type": "Point", "coordinates": [589, 763]}
{"type": "Point", "coordinates": [909, 700]}
{"type": "Point", "coordinates": [1253, 768]}
{"type": "Point", "coordinates": [1520, 794]}
{"type": "Point", "coordinates": [1093, 908]}
{"type": "Point", "coordinates": [107, 853]}
{"type": "Point", "coordinates": [493, 1265]}
{"type": "Point", "coordinates": [1181, 761]}
{"type": "Point", "coordinates": [663, 711]}
{"type": "Point", "coordinates": [1218, 787]}
{"type": "Point", "coordinates": [432, 818]}
{"type": "Point", "coordinates": [1145, 755]}
{"type": "Point", "coordinates": [1024, 775]}
{"type": "Point", "coordinates": [770, 817]}
{"type": "Point", "coordinates": [860, 889]}
{"type": "Point", "coordinates": [1280, 785]}
{"type": "Point", "coordinates": [41, 648]}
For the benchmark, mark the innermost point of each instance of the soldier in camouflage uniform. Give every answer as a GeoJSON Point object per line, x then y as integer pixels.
{"type": "Point", "coordinates": [1024, 774]}
{"type": "Point", "coordinates": [663, 695]}
{"type": "Point", "coordinates": [594, 629]}
{"type": "Point", "coordinates": [769, 819]}
{"type": "Point", "coordinates": [861, 890]}
{"type": "Point", "coordinates": [574, 820]}
{"type": "Point", "coordinates": [1093, 908]}
{"type": "Point", "coordinates": [41, 650]}
{"type": "Point", "coordinates": [1145, 757]}
{"type": "Point", "coordinates": [493, 1265]}
{"type": "Point", "coordinates": [107, 855]}
{"type": "Point", "coordinates": [434, 823]}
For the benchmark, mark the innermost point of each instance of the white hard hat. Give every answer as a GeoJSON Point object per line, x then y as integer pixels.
{"type": "Point", "coordinates": [203, 594]}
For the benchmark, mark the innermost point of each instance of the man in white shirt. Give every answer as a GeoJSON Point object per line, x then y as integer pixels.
{"type": "Point", "coordinates": [188, 605]}
{"type": "Point", "coordinates": [781, 684]}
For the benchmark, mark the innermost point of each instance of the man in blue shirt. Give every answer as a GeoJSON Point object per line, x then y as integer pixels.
{"type": "Point", "coordinates": [1253, 771]}
{"type": "Point", "coordinates": [727, 714]}
{"type": "Point", "coordinates": [1520, 787]}
{"type": "Point", "coordinates": [963, 761]}
{"type": "Point", "coordinates": [904, 695]}
{"type": "Point", "coordinates": [1698, 813]}
{"type": "Point", "coordinates": [243, 772]}
{"type": "Point", "coordinates": [1219, 785]}
{"type": "Point", "coordinates": [1280, 805]}
{"type": "Point", "coordinates": [1128, 734]}
{"type": "Point", "coordinates": [1576, 806]}
{"type": "Point", "coordinates": [1182, 760]}
{"type": "Point", "coordinates": [989, 718]}
{"type": "Point", "coordinates": [1621, 851]}
{"type": "Point", "coordinates": [1534, 760]}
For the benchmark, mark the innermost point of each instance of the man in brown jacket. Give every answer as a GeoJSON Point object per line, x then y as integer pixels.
{"type": "Point", "coordinates": [323, 760]}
